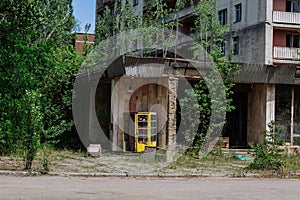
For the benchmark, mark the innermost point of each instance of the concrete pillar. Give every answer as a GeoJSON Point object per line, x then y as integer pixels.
{"type": "Point", "coordinates": [171, 124]}
{"type": "Point", "coordinates": [270, 103]}
{"type": "Point", "coordinates": [256, 114]}
{"type": "Point", "coordinates": [92, 92]}
{"type": "Point", "coordinates": [114, 112]}
{"type": "Point", "coordinates": [95, 133]}
{"type": "Point", "coordinates": [261, 111]}
{"type": "Point", "coordinates": [269, 33]}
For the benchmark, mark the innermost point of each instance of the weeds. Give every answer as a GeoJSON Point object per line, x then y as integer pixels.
{"type": "Point", "coordinates": [45, 158]}
{"type": "Point", "coordinates": [268, 156]}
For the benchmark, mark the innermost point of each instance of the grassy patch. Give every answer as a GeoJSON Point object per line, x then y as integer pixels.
{"type": "Point", "coordinates": [225, 164]}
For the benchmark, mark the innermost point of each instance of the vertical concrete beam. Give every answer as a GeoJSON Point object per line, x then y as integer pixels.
{"type": "Point", "coordinates": [114, 111]}
{"type": "Point", "coordinates": [269, 33]}
{"type": "Point", "coordinates": [292, 116]}
{"type": "Point", "coordinates": [269, 10]}
{"type": "Point", "coordinates": [268, 44]}
{"type": "Point", "coordinates": [261, 111]}
{"type": "Point", "coordinates": [171, 135]}
{"type": "Point", "coordinates": [270, 103]}
{"type": "Point", "coordinates": [256, 113]}
{"type": "Point", "coordinates": [93, 121]}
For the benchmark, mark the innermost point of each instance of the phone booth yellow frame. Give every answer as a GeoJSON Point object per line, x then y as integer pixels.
{"type": "Point", "coordinates": [145, 130]}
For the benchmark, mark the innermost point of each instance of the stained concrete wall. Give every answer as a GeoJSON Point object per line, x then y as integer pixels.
{"type": "Point", "coordinates": [255, 36]}
{"type": "Point", "coordinates": [256, 113]}
{"type": "Point", "coordinates": [146, 94]}
{"type": "Point", "coordinates": [261, 110]}
{"type": "Point", "coordinates": [253, 12]}
{"type": "Point", "coordinates": [86, 105]}
{"type": "Point", "coordinates": [252, 44]}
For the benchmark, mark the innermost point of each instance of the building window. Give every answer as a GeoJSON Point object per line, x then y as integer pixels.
{"type": "Point", "coordinates": [223, 16]}
{"type": "Point", "coordinates": [293, 6]}
{"type": "Point", "coordinates": [236, 45]}
{"type": "Point", "coordinates": [238, 12]}
{"type": "Point", "coordinates": [135, 2]}
{"type": "Point", "coordinates": [292, 41]}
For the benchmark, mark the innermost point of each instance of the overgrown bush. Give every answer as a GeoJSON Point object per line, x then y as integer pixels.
{"type": "Point", "coordinates": [268, 156]}
{"type": "Point", "coordinates": [45, 158]}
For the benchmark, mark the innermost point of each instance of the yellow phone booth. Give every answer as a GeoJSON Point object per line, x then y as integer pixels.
{"type": "Point", "coordinates": [145, 130]}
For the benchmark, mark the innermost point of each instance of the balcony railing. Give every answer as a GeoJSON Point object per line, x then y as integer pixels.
{"type": "Point", "coordinates": [286, 17]}
{"type": "Point", "coordinates": [286, 53]}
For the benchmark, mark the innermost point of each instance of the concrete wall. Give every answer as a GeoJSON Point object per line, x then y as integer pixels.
{"type": "Point", "coordinates": [261, 110]}
{"type": "Point", "coordinates": [252, 46]}
{"type": "Point", "coordinates": [146, 94]}
{"type": "Point", "coordinates": [254, 34]}
{"type": "Point", "coordinates": [256, 113]}
{"type": "Point", "coordinates": [253, 12]}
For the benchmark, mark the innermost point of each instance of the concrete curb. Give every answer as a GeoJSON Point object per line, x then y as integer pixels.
{"type": "Point", "coordinates": [120, 175]}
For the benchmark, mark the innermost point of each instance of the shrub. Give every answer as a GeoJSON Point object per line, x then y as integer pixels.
{"type": "Point", "coordinates": [268, 156]}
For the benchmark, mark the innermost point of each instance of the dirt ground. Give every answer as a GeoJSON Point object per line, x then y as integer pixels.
{"type": "Point", "coordinates": [130, 164]}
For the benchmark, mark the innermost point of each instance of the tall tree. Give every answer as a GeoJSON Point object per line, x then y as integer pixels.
{"type": "Point", "coordinates": [209, 35]}
{"type": "Point", "coordinates": [36, 69]}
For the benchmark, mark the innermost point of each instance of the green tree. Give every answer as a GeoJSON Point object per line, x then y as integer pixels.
{"type": "Point", "coordinates": [37, 67]}
{"type": "Point", "coordinates": [209, 33]}
{"type": "Point", "coordinates": [157, 16]}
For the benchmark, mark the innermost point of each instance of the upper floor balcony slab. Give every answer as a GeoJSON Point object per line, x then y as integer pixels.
{"type": "Point", "coordinates": [286, 55]}
{"type": "Point", "coordinates": [286, 17]}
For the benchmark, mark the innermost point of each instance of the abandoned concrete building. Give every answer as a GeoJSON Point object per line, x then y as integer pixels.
{"type": "Point", "coordinates": [263, 36]}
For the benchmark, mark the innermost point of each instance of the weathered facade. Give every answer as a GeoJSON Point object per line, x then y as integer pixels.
{"type": "Point", "coordinates": [264, 37]}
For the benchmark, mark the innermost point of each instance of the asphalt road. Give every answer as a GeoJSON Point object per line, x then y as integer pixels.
{"type": "Point", "coordinates": [57, 187]}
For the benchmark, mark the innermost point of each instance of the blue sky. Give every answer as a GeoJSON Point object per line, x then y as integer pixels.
{"type": "Point", "coordinates": [84, 12]}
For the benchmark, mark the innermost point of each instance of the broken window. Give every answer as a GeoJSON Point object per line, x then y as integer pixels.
{"type": "Point", "coordinates": [236, 45]}
{"type": "Point", "coordinates": [223, 17]}
{"type": "Point", "coordinates": [238, 12]}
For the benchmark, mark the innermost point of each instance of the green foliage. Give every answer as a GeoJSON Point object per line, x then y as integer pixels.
{"type": "Point", "coordinates": [208, 33]}
{"type": "Point", "coordinates": [30, 125]}
{"type": "Point", "coordinates": [37, 70]}
{"type": "Point", "coordinates": [157, 17]}
{"type": "Point", "coordinates": [268, 156]}
{"type": "Point", "coordinates": [46, 151]}
{"type": "Point", "coordinates": [57, 93]}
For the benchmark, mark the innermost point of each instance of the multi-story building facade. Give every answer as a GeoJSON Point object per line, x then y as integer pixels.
{"type": "Point", "coordinates": [263, 35]}
{"type": "Point", "coordinates": [266, 34]}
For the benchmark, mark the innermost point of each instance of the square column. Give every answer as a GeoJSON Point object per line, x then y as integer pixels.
{"type": "Point", "coordinates": [171, 123]}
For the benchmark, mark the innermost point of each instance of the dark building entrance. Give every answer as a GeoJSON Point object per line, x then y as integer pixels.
{"type": "Point", "coordinates": [236, 120]}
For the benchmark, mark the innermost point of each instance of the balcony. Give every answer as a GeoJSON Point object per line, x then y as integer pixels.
{"type": "Point", "coordinates": [286, 17]}
{"type": "Point", "coordinates": [286, 53]}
